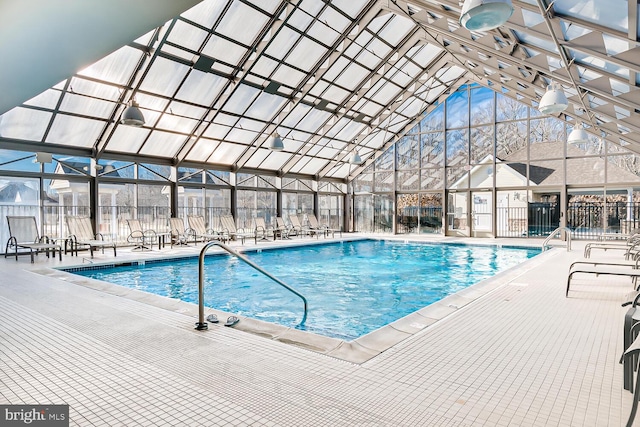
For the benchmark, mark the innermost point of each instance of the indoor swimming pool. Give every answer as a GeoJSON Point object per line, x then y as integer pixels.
{"type": "Point", "coordinates": [352, 287]}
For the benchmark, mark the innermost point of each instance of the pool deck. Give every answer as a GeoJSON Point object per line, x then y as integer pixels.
{"type": "Point", "coordinates": [510, 352]}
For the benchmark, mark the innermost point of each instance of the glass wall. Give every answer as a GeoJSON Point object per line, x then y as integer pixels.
{"type": "Point", "coordinates": [503, 168]}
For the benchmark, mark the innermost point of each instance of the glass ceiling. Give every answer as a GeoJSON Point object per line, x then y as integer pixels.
{"type": "Point", "coordinates": [330, 77]}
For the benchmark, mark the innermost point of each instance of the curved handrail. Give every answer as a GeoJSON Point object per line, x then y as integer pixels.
{"type": "Point", "coordinates": [201, 324]}
{"type": "Point", "coordinates": [552, 235]}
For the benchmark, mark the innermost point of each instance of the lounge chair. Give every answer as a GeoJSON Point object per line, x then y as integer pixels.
{"type": "Point", "coordinates": [608, 269]}
{"type": "Point", "coordinates": [81, 234]}
{"type": "Point", "coordinates": [314, 224]}
{"type": "Point", "coordinates": [142, 239]}
{"type": "Point", "coordinates": [297, 226]}
{"type": "Point", "coordinates": [282, 229]}
{"type": "Point", "coordinates": [23, 232]}
{"type": "Point", "coordinates": [629, 246]}
{"type": "Point", "coordinates": [230, 231]}
{"type": "Point", "coordinates": [262, 230]}
{"type": "Point", "coordinates": [179, 234]}
{"type": "Point", "coordinates": [199, 230]}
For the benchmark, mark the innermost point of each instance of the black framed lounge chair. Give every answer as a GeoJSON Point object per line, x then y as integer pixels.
{"type": "Point", "coordinates": [23, 232]}
{"type": "Point", "coordinates": [141, 239]}
{"type": "Point", "coordinates": [81, 234]}
{"type": "Point", "coordinates": [199, 230]}
{"type": "Point", "coordinates": [231, 232]}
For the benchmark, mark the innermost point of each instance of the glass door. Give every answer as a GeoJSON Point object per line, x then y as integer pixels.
{"type": "Point", "coordinates": [482, 213]}
{"type": "Point", "coordinates": [458, 214]}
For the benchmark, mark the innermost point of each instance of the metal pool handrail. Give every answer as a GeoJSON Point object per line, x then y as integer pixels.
{"type": "Point", "coordinates": [201, 324]}
{"type": "Point", "coordinates": [545, 244]}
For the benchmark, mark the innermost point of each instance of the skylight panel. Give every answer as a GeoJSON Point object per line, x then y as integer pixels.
{"type": "Point", "coordinates": [24, 123]}
{"type": "Point", "coordinates": [47, 99]}
{"type": "Point", "coordinates": [187, 36]}
{"type": "Point", "coordinates": [264, 66]}
{"type": "Point", "coordinates": [241, 99]}
{"type": "Point", "coordinates": [276, 160]}
{"type": "Point", "coordinates": [82, 104]}
{"type": "Point", "coordinates": [547, 45]}
{"type": "Point", "coordinates": [300, 19]}
{"type": "Point", "coordinates": [306, 54]}
{"type": "Point", "coordinates": [224, 50]}
{"type": "Point", "coordinates": [242, 23]}
{"type": "Point", "coordinates": [425, 55]}
{"type": "Point", "coordinates": [164, 77]}
{"type": "Point", "coordinates": [353, 74]}
{"type": "Point", "coordinates": [75, 131]}
{"type": "Point", "coordinates": [387, 93]}
{"type": "Point", "coordinates": [310, 122]}
{"type": "Point", "coordinates": [288, 76]}
{"type": "Point", "coordinates": [201, 88]}
{"type": "Point", "coordinates": [265, 107]}
{"type": "Point", "coordinates": [127, 139]}
{"type": "Point", "coordinates": [282, 43]}
{"type": "Point", "coordinates": [314, 166]}
{"type": "Point", "coordinates": [175, 123]}
{"type": "Point", "coordinates": [609, 13]}
{"type": "Point", "coordinates": [350, 7]}
{"type": "Point", "coordinates": [336, 94]}
{"type": "Point", "coordinates": [323, 33]}
{"type": "Point", "coordinates": [115, 68]}
{"type": "Point", "coordinates": [202, 149]}
{"type": "Point", "coordinates": [241, 136]}
{"type": "Point", "coordinates": [397, 30]}
{"type": "Point", "coordinates": [205, 13]}
{"type": "Point", "coordinates": [163, 144]}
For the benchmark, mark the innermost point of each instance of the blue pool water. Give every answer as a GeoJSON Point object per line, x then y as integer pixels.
{"type": "Point", "coordinates": [352, 288]}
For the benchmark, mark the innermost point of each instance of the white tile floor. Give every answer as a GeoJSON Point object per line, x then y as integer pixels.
{"type": "Point", "coordinates": [520, 355]}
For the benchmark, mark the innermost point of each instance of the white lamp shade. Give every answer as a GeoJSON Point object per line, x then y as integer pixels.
{"type": "Point", "coordinates": [355, 159]}
{"type": "Point", "coordinates": [276, 143]}
{"type": "Point", "coordinates": [553, 101]}
{"type": "Point", "coordinates": [578, 136]}
{"type": "Point", "coordinates": [132, 116]}
{"type": "Point", "coordinates": [484, 15]}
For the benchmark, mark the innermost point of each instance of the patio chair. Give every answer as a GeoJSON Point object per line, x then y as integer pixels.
{"type": "Point", "coordinates": [629, 246]}
{"type": "Point", "coordinates": [141, 239]}
{"type": "Point", "coordinates": [179, 234]}
{"type": "Point", "coordinates": [282, 229]}
{"type": "Point", "coordinates": [314, 224]}
{"type": "Point", "coordinates": [23, 232]}
{"type": "Point", "coordinates": [228, 227]}
{"type": "Point", "coordinates": [262, 230]}
{"type": "Point", "coordinates": [199, 230]}
{"type": "Point", "coordinates": [81, 234]}
{"type": "Point", "coordinates": [297, 226]}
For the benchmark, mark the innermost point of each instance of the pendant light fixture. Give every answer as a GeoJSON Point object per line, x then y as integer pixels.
{"type": "Point", "coordinates": [553, 101]}
{"type": "Point", "coordinates": [275, 143]}
{"type": "Point", "coordinates": [355, 158]}
{"type": "Point", "coordinates": [132, 116]}
{"type": "Point", "coordinates": [578, 135]}
{"type": "Point", "coordinates": [484, 15]}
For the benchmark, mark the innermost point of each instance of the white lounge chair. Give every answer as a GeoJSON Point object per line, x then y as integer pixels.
{"type": "Point", "coordinates": [142, 239]}
{"type": "Point", "coordinates": [199, 230]}
{"type": "Point", "coordinates": [229, 229]}
{"type": "Point", "coordinates": [81, 234]}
